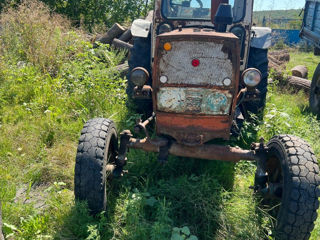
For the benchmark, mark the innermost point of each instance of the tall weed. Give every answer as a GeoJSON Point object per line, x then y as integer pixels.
{"type": "Point", "coordinates": [32, 35]}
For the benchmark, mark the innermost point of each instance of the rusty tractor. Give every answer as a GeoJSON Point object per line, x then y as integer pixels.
{"type": "Point", "coordinates": [200, 67]}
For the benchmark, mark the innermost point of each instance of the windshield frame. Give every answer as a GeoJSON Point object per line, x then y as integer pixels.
{"type": "Point", "coordinates": [164, 4]}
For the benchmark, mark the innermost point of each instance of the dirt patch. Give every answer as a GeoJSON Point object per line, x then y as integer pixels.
{"type": "Point", "coordinates": [35, 195]}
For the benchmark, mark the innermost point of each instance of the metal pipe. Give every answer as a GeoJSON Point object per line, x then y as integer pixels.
{"type": "Point", "coordinates": [146, 122]}
{"type": "Point", "coordinates": [206, 151]}
{"type": "Point", "coordinates": [142, 125]}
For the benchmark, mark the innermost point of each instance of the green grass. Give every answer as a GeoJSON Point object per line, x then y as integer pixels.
{"type": "Point", "coordinates": [276, 17]}
{"type": "Point", "coordinates": [41, 116]}
{"type": "Point", "coordinates": [278, 14]}
{"type": "Point", "coordinates": [303, 58]}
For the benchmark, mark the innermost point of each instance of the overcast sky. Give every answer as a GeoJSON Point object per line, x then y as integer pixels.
{"type": "Point", "coordinates": [278, 4]}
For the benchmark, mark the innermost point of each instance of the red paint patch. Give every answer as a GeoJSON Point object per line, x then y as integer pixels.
{"type": "Point", "coordinates": [195, 62]}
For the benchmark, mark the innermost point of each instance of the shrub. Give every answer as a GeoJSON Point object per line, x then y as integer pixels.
{"type": "Point", "coordinates": [90, 13]}
{"type": "Point", "coordinates": [31, 35]}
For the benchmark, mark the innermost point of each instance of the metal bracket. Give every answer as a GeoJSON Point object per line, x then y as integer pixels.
{"type": "Point", "coordinates": [142, 125]}
{"type": "Point", "coordinates": [144, 92]}
{"type": "Point", "coordinates": [124, 141]}
{"type": "Point", "coordinates": [164, 152]}
{"type": "Point", "coordinates": [261, 176]}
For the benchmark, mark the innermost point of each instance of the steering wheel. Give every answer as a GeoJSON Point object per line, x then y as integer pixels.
{"type": "Point", "coordinates": [200, 3]}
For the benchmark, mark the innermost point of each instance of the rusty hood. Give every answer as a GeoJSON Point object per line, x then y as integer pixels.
{"type": "Point", "coordinates": [195, 103]}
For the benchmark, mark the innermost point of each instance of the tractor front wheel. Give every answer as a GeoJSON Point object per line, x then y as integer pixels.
{"type": "Point", "coordinates": [293, 176]}
{"type": "Point", "coordinates": [98, 147]}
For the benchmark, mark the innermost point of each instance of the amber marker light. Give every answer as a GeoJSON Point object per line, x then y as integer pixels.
{"type": "Point", "coordinates": [167, 46]}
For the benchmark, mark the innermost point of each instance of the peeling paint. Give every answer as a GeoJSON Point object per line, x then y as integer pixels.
{"type": "Point", "coordinates": [194, 101]}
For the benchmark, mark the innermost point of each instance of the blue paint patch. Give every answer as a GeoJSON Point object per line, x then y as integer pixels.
{"type": "Point", "coordinates": [289, 37]}
{"type": "Point", "coordinates": [215, 102]}
{"type": "Point", "coordinates": [194, 101]}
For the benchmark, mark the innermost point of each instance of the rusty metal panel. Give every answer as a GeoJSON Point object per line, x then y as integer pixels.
{"type": "Point", "coordinates": [193, 129]}
{"type": "Point", "coordinates": [195, 113]}
{"type": "Point", "coordinates": [194, 101]}
{"type": "Point", "coordinates": [214, 67]}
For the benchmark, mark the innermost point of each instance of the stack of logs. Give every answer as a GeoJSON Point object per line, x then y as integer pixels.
{"type": "Point", "coordinates": [117, 36]}
{"type": "Point", "coordinates": [120, 38]}
{"type": "Point", "coordinates": [298, 80]}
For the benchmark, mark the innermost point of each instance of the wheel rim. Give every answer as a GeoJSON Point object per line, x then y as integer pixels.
{"type": "Point", "coordinates": [110, 154]}
{"type": "Point", "coordinates": [275, 183]}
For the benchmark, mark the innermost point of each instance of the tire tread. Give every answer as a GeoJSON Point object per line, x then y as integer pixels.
{"type": "Point", "coordinates": [90, 166]}
{"type": "Point", "coordinates": [300, 207]}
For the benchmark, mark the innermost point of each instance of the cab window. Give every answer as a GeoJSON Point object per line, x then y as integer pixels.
{"type": "Point", "coordinates": [190, 9]}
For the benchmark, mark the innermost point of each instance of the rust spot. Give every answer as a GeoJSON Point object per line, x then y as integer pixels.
{"type": "Point", "coordinates": [185, 128]}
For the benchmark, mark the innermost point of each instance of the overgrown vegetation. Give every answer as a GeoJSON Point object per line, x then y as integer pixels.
{"type": "Point", "coordinates": [92, 13]}
{"type": "Point", "coordinates": [283, 19]}
{"type": "Point", "coordinates": [49, 89]}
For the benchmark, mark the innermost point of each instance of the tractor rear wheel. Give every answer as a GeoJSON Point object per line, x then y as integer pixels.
{"type": "Point", "coordinates": [258, 58]}
{"type": "Point", "coordinates": [315, 92]}
{"type": "Point", "coordinates": [140, 56]}
{"type": "Point", "coordinates": [293, 174]}
{"type": "Point", "coordinates": [98, 146]}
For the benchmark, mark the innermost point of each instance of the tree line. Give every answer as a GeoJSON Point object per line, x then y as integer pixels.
{"type": "Point", "coordinates": [90, 13]}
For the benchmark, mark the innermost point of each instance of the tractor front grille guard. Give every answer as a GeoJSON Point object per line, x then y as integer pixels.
{"type": "Point", "coordinates": [164, 147]}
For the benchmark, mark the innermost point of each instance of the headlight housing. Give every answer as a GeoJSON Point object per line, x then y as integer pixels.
{"type": "Point", "coordinates": [240, 32]}
{"type": "Point", "coordinates": [164, 28]}
{"type": "Point", "coordinates": [251, 77]}
{"type": "Point", "coordinates": [139, 76]}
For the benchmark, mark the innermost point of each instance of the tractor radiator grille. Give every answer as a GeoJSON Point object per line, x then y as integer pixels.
{"type": "Point", "coordinates": [215, 64]}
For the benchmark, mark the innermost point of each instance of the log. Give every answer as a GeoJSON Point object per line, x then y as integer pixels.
{"type": "Point", "coordinates": [121, 44]}
{"type": "Point", "coordinates": [299, 83]}
{"type": "Point", "coordinates": [278, 52]}
{"type": "Point", "coordinates": [126, 36]}
{"type": "Point", "coordinates": [282, 56]}
{"type": "Point", "coordinates": [300, 71]}
{"type": "Point", "coordinates": [123, 69]}
{"type": "Point", "coordinates": [115, 31]}
{"type": "Point", "coordinates": [275, 61]}
{"type": "Point", "coordinates": [1, 234]}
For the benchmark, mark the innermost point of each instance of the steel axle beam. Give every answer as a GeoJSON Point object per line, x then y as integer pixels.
{"type": "Point", "coordinates": [206, 151]}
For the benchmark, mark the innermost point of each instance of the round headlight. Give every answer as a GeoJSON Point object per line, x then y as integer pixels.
{"type": "Point", "coordinates": [251, 77]}
{"type": "Point", "coordinates": [139, 76]}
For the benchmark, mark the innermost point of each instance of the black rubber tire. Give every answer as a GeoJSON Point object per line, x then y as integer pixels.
{"type": "Point", "coordinates": [98, 146]}
{"type": "Point", "coordinates": [314, 99]}
{"type": "Point", "coordinates": [298, 171]}
{"type": "Point", "coordinates": [258, 58]}
{"type": "Point", "coordinates": [140, 56]}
